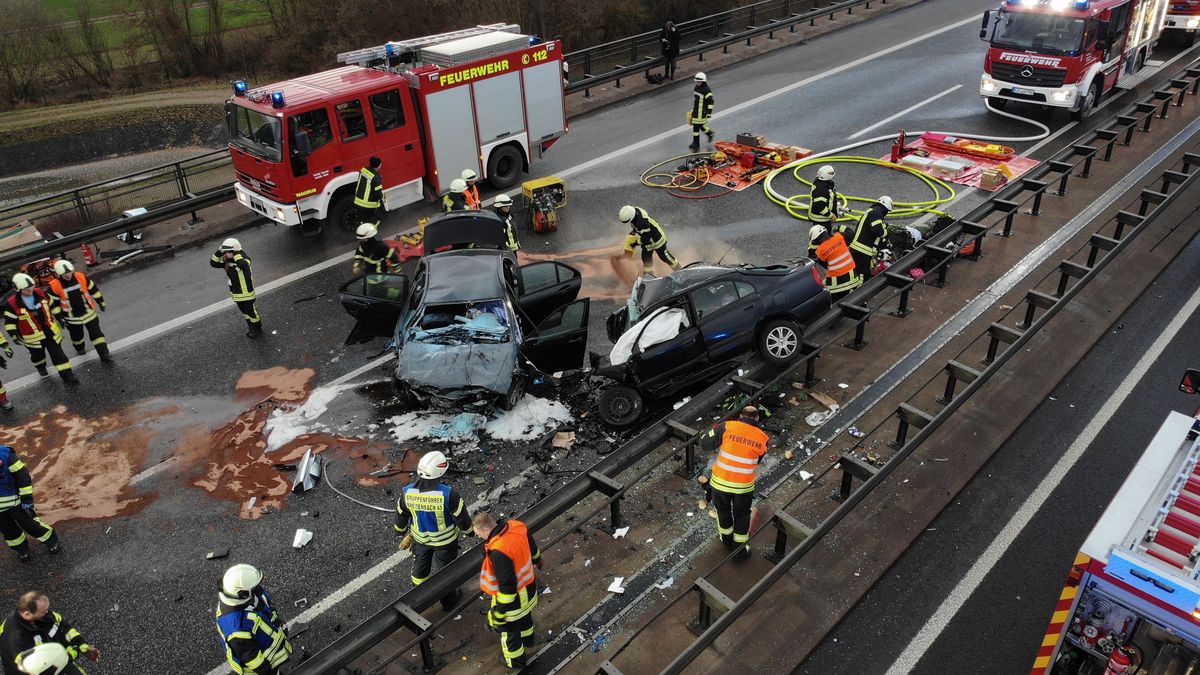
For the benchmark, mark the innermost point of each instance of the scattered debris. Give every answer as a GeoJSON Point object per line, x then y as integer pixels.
{"type": "Point", "coordinates": [479, 480]}
{"type": "Point", "coordinates": [1005, 307]}
{"type": "Point", "coordinates": [302, 537]}
{"type": "Point", "coordinates": [564, 440]}
{"type": "Point", "coordinates": [599, 643]}
{"type": "Point", "coordinates": [588, 562]}
{"type": "Point", "coordinates": [701, 504]}
{"type": "Point", "coordinates": [620, 532]}
{"type": "Point", "coordinates": [939, 459]}
{"type": "Point", "coordinates": [853, 431]}
{"type": "Point", "coordinates": [818, 418]}
{"type": "Point", "coordinates": [615, 586]}
{"type": "Point", "coordinates": [650, 540]}
{"type": "Point", "coordinates": [682, 403]}
{"type": "Point", "coordinates": [387, 471]}
{"type": "Point", "coordinates": [843, 385]}
{"type": "Point", "coordinates": [804, 475]}
{"type": "Point", "coordinates": [665, 584]}
{"type": "Point", "coordinates": [307, 473]}
{"type": "Point", "coordinates": [690, 514]}
{"type": "Point", "coordinates": [250, 504]}
{"type": "Point", "coordinates": [302, 602]}
{"type": "Point", "coordinates": [217, 554]}
{"type": "Point", "coordinates": [284, 467]}
{"type": "Point", "coordinates": [547, 591]}
{"type": "Point", "coordinates": [311, 297]}
{"type": "Point", "coordinates": [788, 454]}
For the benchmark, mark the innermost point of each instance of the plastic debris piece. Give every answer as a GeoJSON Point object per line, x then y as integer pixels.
{"type": "Point", "coordinates": [853, 431]}
{"type": "Point", "coordinates": [788, 454]}
{"type": "Point", "coordinates": [307, 472]}
{"type": "Point", "coordinates": [939, 459]}
{"type": "Point", "coordinates": [665, 584]}
{"type": "Point", "coordinates": [650, 540]}
{"type": "Point", "coordinates": [302, 537]}
{"type": "Point", "coordinates": [690, 514]}
{"type": "Point", "coordinates": [701, 504]}
{"type": "Point", "coordinates": [587, 563]}
{"type": "Point", "coordinates": [712, 513]}
{"type": "Point", "coordinates": [843, 385]}
{"type": "Point", "coordinates": [480, 480]}
{"type": "Point", "coordinates": [615, 586]}
{"type": "Point", "coordinates": [217, 554]}
{"type": "Point", "coordinates": [302, 602]}
{"type": "Point", "coordinates": [620, 532]}
{"type": "Point", "coordinates": [599, 643]}
{"type": "Point", "coordinates": [682, 403]}
{"type": "Point", "coordinates": [804, 475]}
{"type": "Point", "coordinates": [563, 440]}
{"type": "Point", "coordinates": [818, 418]}
{"type": "Point", "coordinates": [250, 504]}
{"type": "Point", "coordinates": [547, 591]}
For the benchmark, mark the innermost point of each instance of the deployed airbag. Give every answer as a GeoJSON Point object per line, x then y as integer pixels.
{"type": "Point", "coordinates": [659, 326]}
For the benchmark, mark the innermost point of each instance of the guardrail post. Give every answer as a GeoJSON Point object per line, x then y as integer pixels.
{"type": "Point", "coordinates": [1099, 243]}
{"type": "Point", "coordinates": [1088, 152]}
{"type": "Point", "coordinates": [860, 314]}
{"type": "Point", "coordinates": [976, 232]}
{"type": "Point", "coordinates": [955, 373]}
{"type": "Point", "coordinates": [1147, 109]}
{"type": "Point", "coordinates": [909, 417]}
{"type": "Point", "coordinates": [1069, 270]}
{"type": "Point", "coordinates": [1126, 218]}
{"type": "Point", "coordinates": [711, 599]}
{"type": "Point", "coordinates": [940, 255]}
{"type": "Point", "coordinates": [786, 526]}
{"type": "Point", "coordinates": [181, 181]}
{"type": "Point", "coordinates": [810, 366]}
{"type": "Point", "coordinates": [905, 284]}
{"type": "Point", "coordinates": [1065, 168]}
{"type": "Point", "coordinates": [1010, 209]}
{"type": "Point", "coordinates": [610, 488]}
{"type": "Point", "coordinates": [690, 468]}
{"type": "Point", "coordinates": [852, 467]}
{"type": "Point", "coordinates": [1035, 300]}
{"type": "Point", "coordinates": [430, 661]}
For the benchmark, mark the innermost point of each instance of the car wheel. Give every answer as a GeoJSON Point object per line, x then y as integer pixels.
{"type": "Point", "coordinates": [405, 397]}
{"type": "Point", "coordinates": [621, 406]}
{"type": "Point", "coordinates": [516, 392]}
{"type": "Point", "coordinates": [779, 341]}
{"type": "Point", "coordinates": [504, 167]}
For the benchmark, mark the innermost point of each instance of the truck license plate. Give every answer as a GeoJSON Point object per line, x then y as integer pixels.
{"type": "Point", "coordinates": [1023, 91]}
{"type": "Point", "coordinates": [257, 203]}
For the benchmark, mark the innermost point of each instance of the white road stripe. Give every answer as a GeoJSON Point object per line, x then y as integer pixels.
{"type": "Point", "coordinates": [987, 560]}
{"type": "Point", "coordinates": [904, 112]}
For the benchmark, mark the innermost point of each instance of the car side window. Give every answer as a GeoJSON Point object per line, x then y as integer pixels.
{"type": "Point", "coordinates": [538, 276]}
{"type": "Point", "coordinates": [711, 298]}
{"type": "Point", "coordinates": [563, 320]}
{"type": "Point", "coordinates": [386, 110]}
{"type": "Point", "coordinates": [353, 122]}
{"type": "Point", "coordinates": [745, 290]}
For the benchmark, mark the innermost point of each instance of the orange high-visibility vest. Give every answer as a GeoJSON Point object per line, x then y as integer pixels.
{"type": "Point", "coordinates": [514, 543]}
{"type": "Point", "coordinates": [836, 255]}
{"type": "Point", "coordinates": [742, 446]}
{"type": "Point", "coordinates": [18, 319]}
{"type": "Point", "coordinates": [57, 287]}
{"type": "Point", "coordinates": [471, 194]}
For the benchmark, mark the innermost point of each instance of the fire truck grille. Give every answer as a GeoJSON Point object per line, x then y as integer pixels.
{"type": "Point", "coordinates": [258, 185]}
{"type": "Point", "coordinates": [1028, 76]}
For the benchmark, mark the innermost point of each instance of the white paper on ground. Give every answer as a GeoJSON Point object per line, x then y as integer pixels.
{"type": "Point", "coordinates": [615, 586]}
{"type": "Point", "coordinates": [302, 537]}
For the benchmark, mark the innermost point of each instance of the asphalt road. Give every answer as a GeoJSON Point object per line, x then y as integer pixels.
{"type": "Point", "coordinates": [134, 575]}
{"type": "Point", "coordinates": [1001, 625]}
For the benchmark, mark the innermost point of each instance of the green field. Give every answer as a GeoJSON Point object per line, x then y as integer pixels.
{"type": "Point", "coordinates": [237, 14]}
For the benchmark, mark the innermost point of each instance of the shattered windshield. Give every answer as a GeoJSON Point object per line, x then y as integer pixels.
{"type": "Point", "coordinates": [1042, 33]}
{"type": "Point", "coordinates": [255, 132]}
{"type": "Point", "coordinates": [479, 322]}
{"type": "Point", "coordinates": [649, 292]}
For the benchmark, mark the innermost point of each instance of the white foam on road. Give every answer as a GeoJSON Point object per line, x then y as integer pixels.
{"type": "Point", "coordinates": [530, 419]}
{"type": "Point", "coordinates": [286, 425]}
{"type": "Point", "coordinates": [986, 561]}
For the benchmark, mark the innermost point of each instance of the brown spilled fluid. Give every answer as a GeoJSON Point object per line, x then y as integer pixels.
{"type": "Point", "coordinates": [608, 273]}
{"type": "Point", "coordinates": [82, 467]}
{"type": "Point", "coordinates": [232, 459]}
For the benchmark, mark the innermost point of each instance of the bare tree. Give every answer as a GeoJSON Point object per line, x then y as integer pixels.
{"type": "Point", "coordinates": [82, 48]}
{"type": "Point", "coordinates": [23, 52]}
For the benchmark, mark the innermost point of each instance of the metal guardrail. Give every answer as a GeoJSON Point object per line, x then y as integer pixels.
{"type": "Point", "coordinates": [603, 478]}
{"type": "Point", "coordinates": [66, 213]}
{"type": "Point", "coordinates": [613, 61]}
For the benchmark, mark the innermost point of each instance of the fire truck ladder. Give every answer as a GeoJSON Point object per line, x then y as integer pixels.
{"type": "Point", "coordinates": [1174, 534]}
{"type": "Point", "coordinates": [371, 55]}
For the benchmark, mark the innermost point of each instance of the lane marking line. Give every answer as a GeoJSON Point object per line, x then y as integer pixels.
{"type": "Point", "coordinates": [904, 112]}
{"type": "Point", "coordinates": [986, 562]}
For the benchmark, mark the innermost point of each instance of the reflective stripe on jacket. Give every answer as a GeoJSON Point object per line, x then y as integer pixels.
{"type": "Point", "coordinates": [368, 192]}
{"type": "Point", "coordinates": [741, 447]}
{"type": "Point", "coordinates": [870, 232]}
{"type": "Point", "coordinates": [840, 274]}
{"type": "Point", "coordinates": [702, 104]}
{"type": "Point", "coordinates": [650, 234]}
{"type": "Point", "coordinates": [471, 196]}
{"type": "Point", "coordinates": [255, 642]}
{"type": "Point", "coordinates": [31, 325]}
{"type": "Point", "coordinates": [15, 484]}
{"type": "Point", "coordinates": [375, 257]}
{"type": "Point", "coordinates": [241, 277]}
{"type": "Point", "coordinates": [79, 300]}
{"type": "Point", "coordinates": [510, 233]}
{"type": "Point", "coordinates": [822, 200]}
{"type": "Point", "coordinates": [453, 202]}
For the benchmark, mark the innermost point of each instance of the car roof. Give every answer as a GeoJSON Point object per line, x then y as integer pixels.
{"type": "Point", "coordinates": [660, 288]}
{"type": "Point", "coordinates": [464, 276]}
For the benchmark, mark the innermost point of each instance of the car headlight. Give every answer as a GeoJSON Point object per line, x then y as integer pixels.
{"type": "Point", "coordinates": [987, 84]}
{"type": "Point", "coordinates": [1193, 23]}
{"type": "Point", "coordinates": [1062, 95]}
{"type": "Point", "coordinates": [278, 213]}
{"type": "Point", "coordinates": [243, 198]}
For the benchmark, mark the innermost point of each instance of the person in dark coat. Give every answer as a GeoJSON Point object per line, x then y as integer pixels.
{"type": "Point", "coordinates": [669, 39]}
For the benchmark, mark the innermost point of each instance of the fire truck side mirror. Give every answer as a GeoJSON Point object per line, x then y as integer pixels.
{"type": "Point", "coordinates": [1190, 384]}
{"type": "Point", "coordinates": [984, 28]}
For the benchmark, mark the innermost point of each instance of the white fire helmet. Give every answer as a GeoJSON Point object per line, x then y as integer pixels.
{"type": "Point", "coordinates": [469, 174]}
{"type": "Point", "coordinates": [826, 172]}
{"type": "Point", "coordinates": [700, 77]}
{"type": "Point", "coordinates": [22, 281]}
{"type": "Point", "coordinates": [887, 202]}
{"type": "Point", "coordinates": [433, 465]}
{"type": "Point", "coordinates": [63, 267]}
{"type": "Point", "coordinates": [239, 582]}
{"type": "Point", "coordinates": [231, 244]}
{"type": "Point", "coordinates": [48, 658]}
{"type": "Point", "coordinates": [458, 186]}
{"type": "Point", "coordinates": [366, 231]}
{"type": "Point", "coordinates": [626, 213]}
{"type": "Point", "coordinates": [816, 231]}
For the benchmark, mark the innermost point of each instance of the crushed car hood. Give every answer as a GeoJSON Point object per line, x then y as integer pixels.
{"type": "Point", "coordinates": [448, 369]}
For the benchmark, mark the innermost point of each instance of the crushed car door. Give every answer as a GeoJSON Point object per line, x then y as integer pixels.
{"type": "Point", "coordinates": [727, 314]}
{"type": "Point", "coordinates": [376, 301]}
{"type": "Point", "coordinates": [561, 339]}
{"type": "Point", "coordinates": [546, 286]}
{"type": "Point", "coordinates": [679, 358]}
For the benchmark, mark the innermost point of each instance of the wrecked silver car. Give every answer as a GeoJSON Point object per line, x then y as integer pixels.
{"type": "Point", "coordinates": [471, 326]}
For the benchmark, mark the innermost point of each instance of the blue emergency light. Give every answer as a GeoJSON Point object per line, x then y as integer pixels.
{"type": "Point", "coordinates": [239, 87]}
{"type": "Point", "coordinates": [389, 49]}
{"type": "Point", "coordinates": [277, 99]}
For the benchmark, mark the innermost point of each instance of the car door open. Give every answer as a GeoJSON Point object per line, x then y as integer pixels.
{"type": "Point", "coordinates": [376, 301]}
{"type": "Point", "coordinates": [546, 287]}
{"type": "Point", "coordinates": [561, 340]}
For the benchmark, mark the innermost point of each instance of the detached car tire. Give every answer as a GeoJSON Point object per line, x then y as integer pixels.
{"type": "Point", "coordinates": [779, 341]}
{"type": "Point", "coordinates": [516, 392]}
{"type": "Point", "coordinates": [620, 406]}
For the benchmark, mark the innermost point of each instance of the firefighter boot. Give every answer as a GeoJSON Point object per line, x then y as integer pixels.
{"type": "Point", "coordinates": [695, 146]}
{"type": "Point", "coordinates": [743, 552]}
{"type": "Point", "coordinates": [254, 331]}
{"type": "Point", "coordinates": [81, 349]}
{"type": "Point", "coordinates": [102, 351]}
{"type": "Point", "coordinates": [42, 371]}
{"type": "Point", "coordinates": [710, 136]}
{"type": "Point", "coordinates": [68, 377]}
{"type": "Point", "coordinates": [5, 404]}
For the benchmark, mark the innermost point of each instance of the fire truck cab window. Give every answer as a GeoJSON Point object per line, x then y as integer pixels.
{"type": "Point", "coordinates": [387, 111]}
{"type": "Point", "coordinates": [353, 122]}
{"type": "Point", "coordinates": [313, 124]}
{"type": "Point", "coordinates": [255, 132]}
{"type": "Point", "coordinates": [1045, 33]}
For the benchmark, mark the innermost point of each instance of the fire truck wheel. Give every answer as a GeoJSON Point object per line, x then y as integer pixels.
{"type": "Point", "coordinates": [342, 216]}
{"type": "Point", "coordinates": [1088, 105]}
{"type": "Point", "coordinates": [505, 167]}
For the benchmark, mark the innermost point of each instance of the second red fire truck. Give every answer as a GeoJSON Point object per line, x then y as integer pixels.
{"type": "Point", "coordinates": [489, 99]}
{"type": "Point", "coordinates": [1067, 53]}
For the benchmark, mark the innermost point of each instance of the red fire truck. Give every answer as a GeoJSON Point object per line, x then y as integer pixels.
{"type": "Point", "coordinates": [487, 98]}
{"type": "Point", "coordinates": [1184, 15]}
{"type": "Point", "coordinates": [1132, 600]}
{"type": "Point", "coordinates": [1066, 53]}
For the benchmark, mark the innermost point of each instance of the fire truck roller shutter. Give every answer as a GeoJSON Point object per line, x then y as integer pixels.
{"type": "Point", "coordinates": [498, 108]}
{"type": "Point", "coordinates": [544, 101]}
{"type": "Point", "coordinates": [451, 125]}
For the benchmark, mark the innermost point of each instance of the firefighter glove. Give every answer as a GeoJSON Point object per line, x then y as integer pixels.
{"type": "Point", "coordinates": [28, 506]}
{"type": "Point", "coordinates": [406, 542]}
{"type": "Point", "coordinates": [630, 241]}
